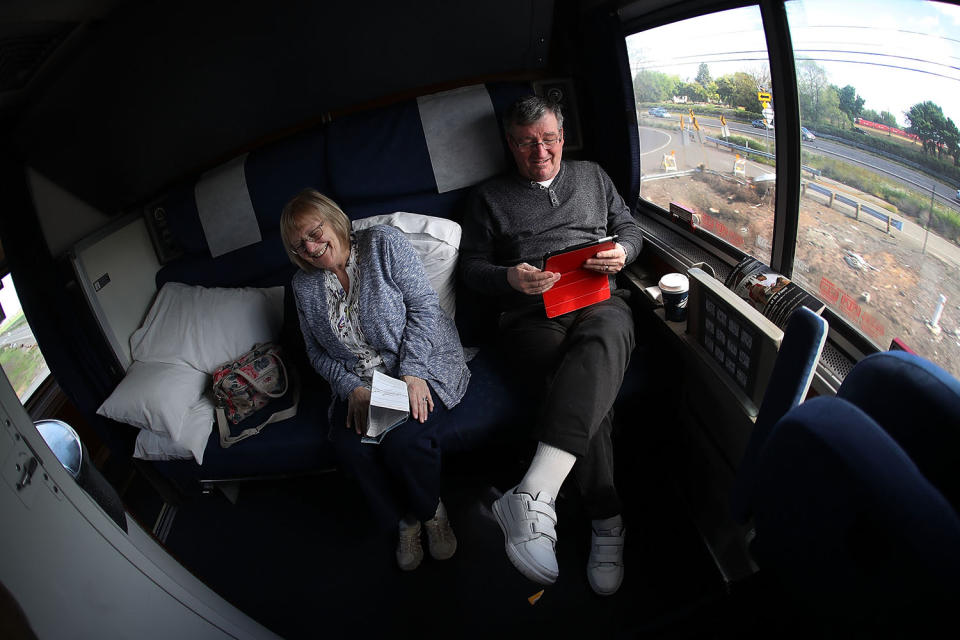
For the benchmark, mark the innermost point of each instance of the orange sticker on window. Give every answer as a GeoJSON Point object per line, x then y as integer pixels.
{"type": "Point", "coordinates": [849, 307]}
{"type": "Point", "coordinates": [829, 291]}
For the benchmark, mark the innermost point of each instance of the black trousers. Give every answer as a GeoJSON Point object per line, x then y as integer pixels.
{"type": "Point", "coordinates": [401, 474]}
{"type": "Point", "coordinates": [576, 362]}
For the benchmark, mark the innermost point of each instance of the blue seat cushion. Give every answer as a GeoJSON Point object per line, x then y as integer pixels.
{"type": "Point", "coordinates": [919, 406]}
{"type": "Point", "coordinates": [380, 155]}
{"type": "Point", "coordinates": [277, 172]}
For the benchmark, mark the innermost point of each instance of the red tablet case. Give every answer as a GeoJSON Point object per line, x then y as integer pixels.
{"type": "Point", "coordinates": [577, 287]}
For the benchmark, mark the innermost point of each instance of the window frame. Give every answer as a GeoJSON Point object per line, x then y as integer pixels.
{"type": "Point", "coordinates": [47, 397]}
{"type": "Point", "coordinates": [850, 342]}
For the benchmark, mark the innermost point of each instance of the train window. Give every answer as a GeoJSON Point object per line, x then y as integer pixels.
{"type": "Point", "coordinates": [20, 356]}
{"type": "Point", "coordinates": [703, 93]}
{"type": "Point", "coordinates": [879, 227]}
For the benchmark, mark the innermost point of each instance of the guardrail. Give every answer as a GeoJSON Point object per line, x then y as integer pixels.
{"type": "Point", "coordinates": [718, 142]}
{"type": "Point", "coordinates": [859, 206]}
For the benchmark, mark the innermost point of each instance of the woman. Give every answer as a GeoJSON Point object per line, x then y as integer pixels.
{"type": "Point", "coordinates": [365, 305]}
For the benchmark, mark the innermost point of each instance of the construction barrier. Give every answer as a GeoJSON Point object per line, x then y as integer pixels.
{"type": "Point", "coordinates": [740, 167]}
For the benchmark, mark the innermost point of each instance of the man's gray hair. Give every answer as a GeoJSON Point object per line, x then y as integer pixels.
{"type": "Point", "coordinates": [526, 111]}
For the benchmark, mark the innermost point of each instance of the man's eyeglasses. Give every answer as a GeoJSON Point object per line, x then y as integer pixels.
{"type": "Point", "coordinates": [314, 237]}
{"type": "Point", "coordinates": [548, 143]}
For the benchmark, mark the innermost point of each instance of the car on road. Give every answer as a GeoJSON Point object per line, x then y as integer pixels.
{"type": "Point", "coordinates": [761, 124]}
{"type": "Point", "coordinates": [807, 135]}
{"type": "Point", "coordinates": [659, 112]}
{"type": "Point", "coordinates": [958, 194]}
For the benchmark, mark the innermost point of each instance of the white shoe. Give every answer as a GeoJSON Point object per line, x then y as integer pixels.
{"type": "Point", "coordinates": [442, 541]}
{"type": "Point", "coordinates": [409, 551]}
{"type": "Point", "coordinates": [605, 565]}
{"type": "Point", "coordinates": [529, 529]}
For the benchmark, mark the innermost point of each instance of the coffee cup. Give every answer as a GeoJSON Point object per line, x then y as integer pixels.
{"type": "Point", "coordinates": [674, 289]}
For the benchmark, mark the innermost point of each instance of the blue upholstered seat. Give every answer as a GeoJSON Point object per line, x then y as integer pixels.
{"type": "Point", "coordinates": [855, 499]}
{"type": "Point", "coordinates": [793, 372]}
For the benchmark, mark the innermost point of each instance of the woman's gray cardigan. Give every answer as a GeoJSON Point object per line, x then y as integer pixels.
{"type": "Point", "coordinates": [399, 314]}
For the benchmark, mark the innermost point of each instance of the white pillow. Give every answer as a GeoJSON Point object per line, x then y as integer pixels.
{"type": "Point", "coordinates": [197, 425]}
{"type": "Point", "coordinates": [204, 328]}
{"type": "Point", "coordinates": [156, 396]}
{"type": "Point", "coordinates": [153, 446]}
{"type": "Point", "coordinates": [437, 240]}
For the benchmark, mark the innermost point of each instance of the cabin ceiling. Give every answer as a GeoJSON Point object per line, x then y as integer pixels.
{"type": "Point", "coordinates": [114, 99]}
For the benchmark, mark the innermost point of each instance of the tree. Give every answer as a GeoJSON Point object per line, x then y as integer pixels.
{"type": "Point", "coordinates": [724, 88]}
{"type": "Point", "coordinates": [830, 107]}
{"type": "Point", "coordinates": [812, 84]}
{"type": "Point", "coordinates": [760, 76]}
{"type": "Point", "coordinates": [951, 137]}
{"type": "Point", "coordinates": [738, 90]}
{"type": "Point", "coordinates": [653, 86]}
{"type": "Point", "coordinates": [703, 75]}
{"type": "Point", "coordinates": [850, 103]}
{"type": "Point", "coordinates": [692, 90]}
{"type": "Point", "coordinates": [927, 122]}
{"type": "Point", "coordinates": [870, 114]}
{"type": "Point", "coordinates": [888, 119]}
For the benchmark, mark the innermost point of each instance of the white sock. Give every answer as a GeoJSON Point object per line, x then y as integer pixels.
{"type": "Point", "coordinates": [409, 521]}
{"type": "Point", "coordinates": [441, 511]}
{"type": "Point", "coordinates": [607, 524]}
{"type": "Point", "coordinates": [548, 470]}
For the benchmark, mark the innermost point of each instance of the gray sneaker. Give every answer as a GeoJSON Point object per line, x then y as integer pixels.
{"type": "Point", "coordinates": [409, 551]}
{"type": "Point", "coordinates": [605, 565]}
{"type": "Point", "coordinates": [442, 541]}
{"type": "Point", "coordinates": [529, 529]}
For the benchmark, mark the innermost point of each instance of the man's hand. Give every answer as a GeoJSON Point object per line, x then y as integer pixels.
{"type": "Point", "coordinates": [358, 404]}
{"type": "Point", "coordinates": [610, 261]}
{"type": "Point", "coordinates": [530, 280]}
{"type": "Point", "coordinates": [421, 402]}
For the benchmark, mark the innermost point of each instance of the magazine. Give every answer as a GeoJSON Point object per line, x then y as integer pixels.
{"type": "Point", "coordinates": [770, 293]}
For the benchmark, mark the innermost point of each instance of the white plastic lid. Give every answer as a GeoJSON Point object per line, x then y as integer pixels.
{"type": "Point", "coordinates": [674, 283]}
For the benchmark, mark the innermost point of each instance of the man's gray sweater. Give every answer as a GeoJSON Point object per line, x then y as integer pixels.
{"type": "Point", "coordinates": [510, 220]}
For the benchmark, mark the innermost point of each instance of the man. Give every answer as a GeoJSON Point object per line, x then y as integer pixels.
{"type": "Point", "coordinates": [579, 358]}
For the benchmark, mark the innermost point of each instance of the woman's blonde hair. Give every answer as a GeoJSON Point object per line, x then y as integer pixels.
{"type": "Point", "coordinates": [310, 203]}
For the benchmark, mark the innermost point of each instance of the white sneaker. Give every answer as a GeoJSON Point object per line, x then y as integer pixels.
{"type": "Point", "coordinates": [529, 529]}
{"type": "Point", "coordinates": [442, 541]}
{"type": "Point", "coordinates": [605, 565]}
{"type": "Point", "coordinates": [409, 551]}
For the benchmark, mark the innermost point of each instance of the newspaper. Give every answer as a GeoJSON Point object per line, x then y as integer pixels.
{"type": "Point", "coordinates": [389, 407]}
{"type": "Point", "coordinates": [770, 293]}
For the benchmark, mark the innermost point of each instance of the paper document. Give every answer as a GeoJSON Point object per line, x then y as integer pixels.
{"type": "Point", "coordinates": [389, 407]}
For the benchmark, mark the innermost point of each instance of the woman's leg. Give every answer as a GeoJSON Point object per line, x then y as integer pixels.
{"type": "Point", "coordinates": [365, 463]}
{"type": "Point", "coordinates": [413, 457]}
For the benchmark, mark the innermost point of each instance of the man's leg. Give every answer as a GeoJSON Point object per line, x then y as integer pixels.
{"type": "Point", "coordinates": [601, 341]}
{"type": "Point", "coordinates": [583, 354]}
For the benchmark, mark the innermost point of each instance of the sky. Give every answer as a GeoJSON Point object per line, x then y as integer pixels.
{"type": "Point", "coordinates": [896, 53]}
{"type": "Point", "coordinates": [8, 298]}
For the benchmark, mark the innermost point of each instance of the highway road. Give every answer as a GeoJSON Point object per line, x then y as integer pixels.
{"type": "Point", "coordinates": [911, 178]}
{"type": "Point", "coordinates": [655, 143]}
{"type": "Point", "coordinates": [19, 335]}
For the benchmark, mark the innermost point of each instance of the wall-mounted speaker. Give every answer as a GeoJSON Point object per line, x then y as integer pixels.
{"type": "Point", "coordinates": [561, 91]}
{"type": "Point", "coordinates": [159, 229]}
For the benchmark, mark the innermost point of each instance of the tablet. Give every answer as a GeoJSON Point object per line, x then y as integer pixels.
{"type": "Point", "coordinates": [577, 287]}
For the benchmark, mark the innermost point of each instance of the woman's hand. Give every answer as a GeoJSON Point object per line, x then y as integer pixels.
{"type": "Point", "coordinates": [358, 404]}
{"type": "Point", "coordinates": [421, 402]}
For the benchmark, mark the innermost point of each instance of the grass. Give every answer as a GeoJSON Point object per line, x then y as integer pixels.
{"type": "Point", "coordinates": [944, 221]}
{"type": "Point", "coordinates": [22, 365]}
{"type": "Point", "coordinates": [894, 145]}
